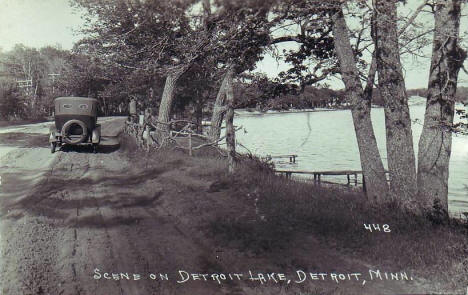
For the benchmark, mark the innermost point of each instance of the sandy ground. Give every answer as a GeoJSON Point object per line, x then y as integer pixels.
{"type": "Point", "coordinates": [70, 220]}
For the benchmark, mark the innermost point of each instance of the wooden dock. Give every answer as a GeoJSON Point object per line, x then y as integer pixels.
{"type": "Point", "coordinates": [292, 158]}
{"type": "Point", "coordinates": [317, 175]}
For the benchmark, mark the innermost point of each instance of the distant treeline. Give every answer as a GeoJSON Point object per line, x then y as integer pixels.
{"type": "Point", "coordinates": [31, 78]}
{"type": "Point", "coordinates": [270, 96]}
{"type": "Point", "coordinates": [267, 95]}
{"type": "Point", "coordinates": [462, 94]}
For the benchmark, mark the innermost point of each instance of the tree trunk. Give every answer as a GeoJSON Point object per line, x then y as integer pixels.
{"type": "Point", "coordinates": [230, 131]}
{"type": "Point", "coordinates": [371, 162]}
{"type": "Point", "coordinates": [400, 151]}
{"type": "Point", "coordinates": [164, 115]}
{"type": "Point", "coordinates": [436, 140]}
{"type": "Point", "coordinates": [218, 108]}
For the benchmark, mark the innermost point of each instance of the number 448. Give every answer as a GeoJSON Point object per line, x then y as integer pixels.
{"type": "Point", "coordinates": [376, 227]}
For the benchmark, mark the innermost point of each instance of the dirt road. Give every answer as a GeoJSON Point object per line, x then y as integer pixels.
{"type": "Point", "coordinates": [75, 222]}
{"type": "Point", "coordinates": [69, 218]}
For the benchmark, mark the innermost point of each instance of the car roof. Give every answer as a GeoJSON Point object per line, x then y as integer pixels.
{"type": "Point", "coordinates": [75, 98]}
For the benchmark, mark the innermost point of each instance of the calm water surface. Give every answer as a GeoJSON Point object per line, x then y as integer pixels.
{"type": "Point", "coordinates": [325, 140]}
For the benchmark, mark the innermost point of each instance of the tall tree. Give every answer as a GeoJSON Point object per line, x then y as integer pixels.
{"type": "Point", "coordinates": [198, 38]}
{"type": "Point", "coordinates": [160, 37]}
{"type": "Point", "coordinates": [167, 100]}
{"type": "Point", "coordinates": [436, 139]}
{"type": "Point", "coordinates": [242, 31]}
{"type": "Point", "coordinates": [230, 131]}
{"type": "Point", "coordinates": [325, 49]}
{"type": "Point", "coordinates": [219, 106]}
{"type": "Point", "coordinates": [371, 162]}
{"type": "Point", "coordinates": [400, 151]}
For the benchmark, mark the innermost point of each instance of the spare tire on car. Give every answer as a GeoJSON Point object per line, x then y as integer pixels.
{"type": "Point", "coordinates": [69, 129]}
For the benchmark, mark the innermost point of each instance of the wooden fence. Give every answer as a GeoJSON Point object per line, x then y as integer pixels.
{"type": "Point", "coordinates": [145, 136]}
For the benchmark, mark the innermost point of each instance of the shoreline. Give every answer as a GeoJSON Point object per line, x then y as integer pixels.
{"type": "Point", "coordinates": [412, 101]}
{"type": "Point", "coordinates": [247, 111]}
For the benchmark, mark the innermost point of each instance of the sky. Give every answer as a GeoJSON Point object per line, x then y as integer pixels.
{"type": "Point", "coordinates": [37, 23]}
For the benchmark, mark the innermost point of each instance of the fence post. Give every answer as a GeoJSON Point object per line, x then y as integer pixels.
{"type": "Point", "coordinates": [190, 144]}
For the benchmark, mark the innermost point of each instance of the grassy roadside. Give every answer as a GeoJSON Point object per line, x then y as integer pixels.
{"type": "Point", "coordinates": [262, 216]}
{"type": "Point", "coordinates": [287, 209]}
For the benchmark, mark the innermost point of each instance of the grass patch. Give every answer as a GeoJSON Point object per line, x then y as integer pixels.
{"type": "Point", "coordinates": [206, 163]}
{"type": "Point", "coordinates": [286, 210]}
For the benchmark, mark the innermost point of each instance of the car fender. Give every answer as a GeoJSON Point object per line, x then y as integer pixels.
{"type": "Point", "coordinates": [53, 134]}
{"type": "Point", "coordinates": [52, 137]}
{"type": "Point", "coordinates": [96, 136]}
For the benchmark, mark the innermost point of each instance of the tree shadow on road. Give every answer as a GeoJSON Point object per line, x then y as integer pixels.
{"type": "Point", "coordinates": [59, 199]}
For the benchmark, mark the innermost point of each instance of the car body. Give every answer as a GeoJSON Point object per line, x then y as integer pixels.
{"type": "Point", "coordinates": [75, 122]}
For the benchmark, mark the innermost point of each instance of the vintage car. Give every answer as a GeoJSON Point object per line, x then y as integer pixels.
{"type": "Point", "coordinates": [75, 122]}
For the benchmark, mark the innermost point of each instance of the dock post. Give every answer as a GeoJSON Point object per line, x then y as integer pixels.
{"type": "Point", "coordinates": [347, 176]}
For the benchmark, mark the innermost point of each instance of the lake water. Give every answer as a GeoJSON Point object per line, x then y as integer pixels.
{"type": "Point", "coordinates": [325, 140]}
